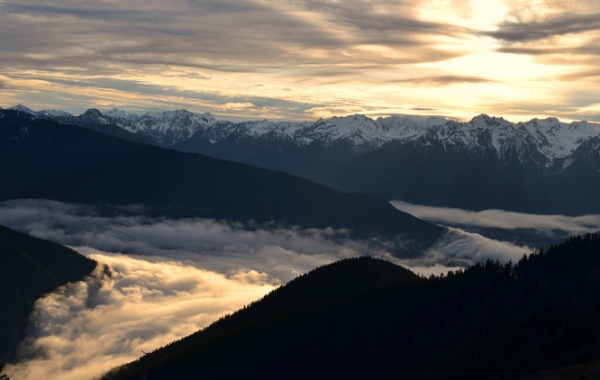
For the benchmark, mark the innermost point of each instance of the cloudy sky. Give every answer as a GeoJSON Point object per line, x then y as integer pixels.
{"type": "Point", "coordinates": [300, 60]}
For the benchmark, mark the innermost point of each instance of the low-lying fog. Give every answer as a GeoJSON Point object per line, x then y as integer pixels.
{"type": "Point", "coordinates": [518, 228]}
{"type": "Point", "coordinates": [170, 278]}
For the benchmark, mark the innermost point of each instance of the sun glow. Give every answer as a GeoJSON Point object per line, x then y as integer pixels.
{"type": "Point", "coordinates": [474, 14]}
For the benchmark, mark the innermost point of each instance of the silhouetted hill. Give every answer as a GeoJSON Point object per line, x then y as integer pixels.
{"type": "Point", "coordinates": [29, 268]}
{"type": "Point", "coordinates": [362, 318]}
{"type": "Point", "coordinates": [50, 160]}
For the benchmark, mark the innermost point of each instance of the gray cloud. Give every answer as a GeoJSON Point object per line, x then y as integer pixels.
{"type": "Point", "coordinates": [295, 109]}
{"type": "Point", "coordinates": [423, 109]}
{"type": "Point", "coordinates": [524, 31]}
{"type": "Point", "coordinates": [368, 16]}
{"type": "Point", "coordinates": [230, 36]}
{"type": "Point", "coordinates": [445, 80]}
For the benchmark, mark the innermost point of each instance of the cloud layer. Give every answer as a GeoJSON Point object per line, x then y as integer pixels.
{"type": "Point", "coordinates": [175, 277]}
{"type": "Point", "coordinates": [544, 224]}
{"type": "Point", "coordinates": [282, 254]}
{"type": "Point", "coordinates": [224, 248]}
{"type": "Point", "coordinates": [301, 60]}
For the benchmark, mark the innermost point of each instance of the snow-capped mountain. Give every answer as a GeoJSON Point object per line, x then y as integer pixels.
{"type": "Point", "coordinates": [545, 144]}
{"type": "Point", "coordinates": [168, 127]}
{"type": "Point", "coordinates": [552, 138]}
{"type": "Point", "coordinates": [487, 162]}
{"type": "Point", "coordinates": [549, 137]}
{"type": "Point", "coordinates": [539, 166]}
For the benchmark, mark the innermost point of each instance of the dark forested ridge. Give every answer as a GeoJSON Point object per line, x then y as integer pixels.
{"type": "Point", "coordinates": [365, 318]}
{"type": "Point", "coordinates": [49, 160]}
{"type": "Point", "coordinates": [29, 268]}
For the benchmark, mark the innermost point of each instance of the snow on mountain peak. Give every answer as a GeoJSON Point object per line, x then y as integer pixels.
{"type": "Point", "coordinates": [487, 121]}
{"type": "Point", "coordinates": [55, 113]}
{"type": "Point", "coordinates": [22, 108]}
{"type": "Point", "coordinates": [484, 133]}
{"type": "Point", "coordinates": [117, 113]}
{"type": "Point", "coordinates": [170, 127]}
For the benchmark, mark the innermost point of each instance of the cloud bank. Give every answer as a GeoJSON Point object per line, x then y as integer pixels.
{"type": "Point", "coordinates": [223, 248]}
{"type": "Point", "coordinates": [282, 254]}
{"type": "Point", "coordinates": [506, 220]}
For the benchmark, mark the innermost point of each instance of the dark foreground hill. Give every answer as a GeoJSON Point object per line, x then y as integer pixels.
{"type": "Point", "coordinates": [30, 268]}
{"type": "Point", "coordinates": [368, 319]}
{"type": "Point", "coordinates": [50, 160]}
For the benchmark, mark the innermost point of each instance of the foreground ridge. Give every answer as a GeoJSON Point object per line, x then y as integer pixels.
{"type": "Point", "coordinates": [492, 320]}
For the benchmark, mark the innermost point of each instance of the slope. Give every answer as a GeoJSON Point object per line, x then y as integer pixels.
{"type": "Point", "coordinates": [30, 268]}
{"type": "Point", "coordinates": [45, 159]}
{"type": "Point", "coordinates": [491, 321]}
{"type": "Point", "coordinates": [283, 322]}
{"type": "Point", "coordinates": [439, 175]}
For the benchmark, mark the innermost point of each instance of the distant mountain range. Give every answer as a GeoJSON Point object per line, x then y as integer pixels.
{"type": "Point", "coordinates": [369, 319]}
{"type": "Point", "coordinates": [29, 268]}
{"type": "Point", "coordinates": [47, 159]}
{"type": "Point", "coordinates": [541, 166]}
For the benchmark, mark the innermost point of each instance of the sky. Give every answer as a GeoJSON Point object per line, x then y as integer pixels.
{"type": "Point", "coordinates": [301, 60]}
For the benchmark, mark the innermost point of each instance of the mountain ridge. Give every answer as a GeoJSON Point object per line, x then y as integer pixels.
{"type": "Point", "coordinates": [173, 127]}
{"type": "Point", "coordinates": [77, 165]}
{"type": "Point", "coordinates": [540, 166]}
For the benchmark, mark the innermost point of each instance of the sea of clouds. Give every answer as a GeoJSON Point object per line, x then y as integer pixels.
{"type": "Point", "coordinates": [169, 278]}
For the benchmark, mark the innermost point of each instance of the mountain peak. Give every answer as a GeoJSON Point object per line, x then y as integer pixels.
{"type": "Point", "coordinates": [23, 108]}
{"type": "Point", "coordinates": [485, 120]}
{"type": "Point", "coordinates": [93, 112]}
{"type": "Point", "coordinates": [117, 113]}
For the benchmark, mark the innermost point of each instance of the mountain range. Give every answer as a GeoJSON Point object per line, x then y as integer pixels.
{"type": "Point", "coordinates": [540, 166]}
{"type": "Point", "coordinates": [48, 159]}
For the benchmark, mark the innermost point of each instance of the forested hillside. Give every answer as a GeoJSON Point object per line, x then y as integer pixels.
{"type": "Point", "coordinates": [365, 318]}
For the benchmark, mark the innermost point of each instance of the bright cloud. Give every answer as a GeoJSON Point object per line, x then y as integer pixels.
{"type": "Point", "coordinates": [88, 327]}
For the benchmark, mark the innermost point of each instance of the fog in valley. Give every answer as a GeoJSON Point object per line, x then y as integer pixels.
{"type": "Point", "coordinates": [160, 279]}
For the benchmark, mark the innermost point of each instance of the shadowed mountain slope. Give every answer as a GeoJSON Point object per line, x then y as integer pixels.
{"type": "Point", "coordinates": [30, 268]}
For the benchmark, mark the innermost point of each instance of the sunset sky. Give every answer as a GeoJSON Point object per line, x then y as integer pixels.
{"type": "Point", "coordinates": [301, 60]}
